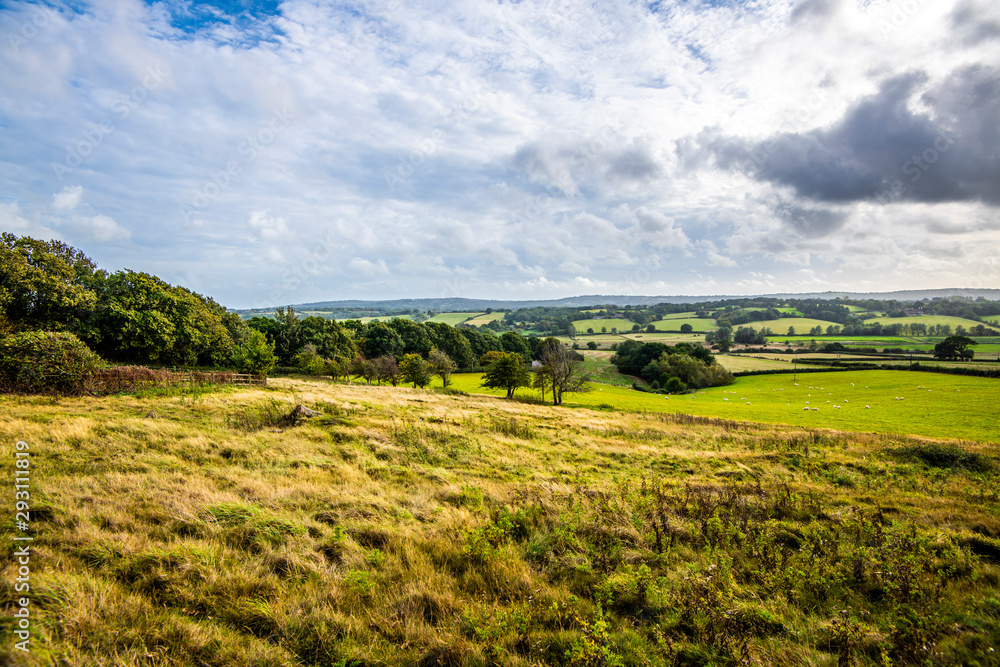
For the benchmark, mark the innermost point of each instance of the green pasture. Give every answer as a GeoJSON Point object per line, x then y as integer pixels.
{"type": "Point", "coordinates": [697, 323]}
{"type": "Point", "coordinates": [929, 320]}
{"type": "Point", "coordinates": [485, 318]}
{"type": "Point", "coordinates": [622, 325]}
{"type": "Point", "coordinates": [780, 326]}
{"type": "Point", "coordinates": [454, 318]}
{"type": "Point", "coordinates": [680, 316]}
{"type": "Point", "coordinates": [931, 404]}
{"type": "Point", "coordinates": [737, 362]}
{"type": "Point", "coordinates": [992, 319]}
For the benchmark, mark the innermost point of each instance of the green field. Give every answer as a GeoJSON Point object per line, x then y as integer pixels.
{"type": "Point", "coordinates": [929, 320]}
{"type": "Point", "coordinates": [622, 325]}
{"type": "Point", "coordinates": [992, 319]}
{"type": "Point", "coordinates": [453, 318]}
{"type": "Point", "coordinates": [698, 324]}
{"type": "Point", "coordinates": [485, 318]}
{"type": "Point", "coordinates": [948, 406]}
{"type": "Point", "coordinates": [737, 362]}
{"type": "Point", "coordinates": [802, 325]}
{"type": "Point", "coordinates": [680, 316]}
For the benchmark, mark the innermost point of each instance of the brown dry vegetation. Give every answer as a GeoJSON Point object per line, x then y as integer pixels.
{"type": "Point", "coordinates": [411, 527]}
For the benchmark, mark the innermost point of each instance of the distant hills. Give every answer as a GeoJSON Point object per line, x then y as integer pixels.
{"type": "Point", "coordinates": [455, 304]}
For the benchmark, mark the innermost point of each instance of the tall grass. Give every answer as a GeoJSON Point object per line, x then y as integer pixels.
{"type": "Point", "coordinates": [405, 527]}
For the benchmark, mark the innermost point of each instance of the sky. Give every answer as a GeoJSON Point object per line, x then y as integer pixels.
{"type": "Point", "coordinates": [267, 153]}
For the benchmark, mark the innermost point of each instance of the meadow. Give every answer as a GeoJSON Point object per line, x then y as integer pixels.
{"type": "Point", "coordinates": [701, 324]}
{"type": "Point", "coordinates": [929, 320]}
{"type": "Point", "coordinates": [415, 527]}
{"type": "Point", "coordinates": [454, 318]}
{"type": "Point", "coordinates": [621, 324]}
{"type": "Point", "coordinates": [904, 402]}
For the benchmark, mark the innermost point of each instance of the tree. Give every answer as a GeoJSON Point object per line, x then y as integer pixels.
{"type": "Point", "coordinates": [255, 355]}
{"type": "Point", "coordinates": [650, 328]}
{"type": "Point", "coordinates": [44, 284]}
{"type": "Point", "coordinates": [442, 366]}
{"type": "Point", "coordinates": [791, 331]}
{"type": "Point", "coordinates": [490, 357]}
{"type": "Point", "coordinates": [954, 347]}
{"type": "Point", "coordinates": [590, 330]}
{"type": "Point", "coordinates": [386, 369]}
{"type": "Point", "coordinates": [564, 369]}
{"type": "Point", "coordinates": [414, 369]}
{"type": "Point", "coordinates": [592, 345]}
{"type": "Point", "coordinates": [687, 328]}
{"type": "Point", "coordinates": [45, 361]}
{"type": "Point", "coordinates": [308, 360]}
{"type": "Point", "coordinates": [377, 339]}
{"type": "Point", "coordinates": [508, 372]}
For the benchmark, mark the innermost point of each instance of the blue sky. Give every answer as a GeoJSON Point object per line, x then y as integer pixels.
{"type": "Point", "coordinates": [265, 153]}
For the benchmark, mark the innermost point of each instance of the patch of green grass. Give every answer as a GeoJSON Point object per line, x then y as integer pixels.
{"type": "Point", "coordinates": [431, 528]}
{"type": "Point", "coordinates": [454, 318]}
{"type": "Point", "coordinates": [937, 405]}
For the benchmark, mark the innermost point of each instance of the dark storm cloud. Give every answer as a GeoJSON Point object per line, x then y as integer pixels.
{"type": "Point", "coordinates": [968, 21]}
{"type": "Point", "coordinates": [882, 149]}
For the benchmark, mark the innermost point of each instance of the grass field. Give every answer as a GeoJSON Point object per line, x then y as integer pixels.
{"type": "Point", "coordinates": [736, 362]}
{"type": "Point", "coordinates": [992, 319]}
{"type": "Point", "coordinates": [780, 326]}
{"type": "Point", "coordinates": [680, 316]}
{"type": "Point", "coordinates": [408, 527]}
{"type": "Point", "coordinates": [622, 325]}
{"type": "Point", "coordinates": [697, 324]}
{"type": "Point", "coordinates": [936, 405]}
{"type": "Point", "coordinates": [485, 318]}
{"type": "Point", "coordinates": [453, 318]}
{"type": "Point", "coordinates": [929, 320]}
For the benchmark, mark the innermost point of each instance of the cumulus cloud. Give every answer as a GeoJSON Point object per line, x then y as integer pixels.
{"type": "Point", "coordinates": [884, 148]}
{"type": "Point", "coordinates": [404, 149]}
{"type": "Point", "coordinates": [68, 198]}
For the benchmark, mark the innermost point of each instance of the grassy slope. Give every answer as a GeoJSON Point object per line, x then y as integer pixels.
{"type": "Point", "coordinates": [405, 527]}
{"type": "Point", "coordinates": [621, 324]}
{"type": "Point", "coordinates": [947, 406]}
{"type": "Point", "coordinates": [675, 324]}
{"type": "Point", "coordinates": [453, 318]}
{"type": "Point", "coordinates": [929, 320]}
{"type": "Point", "coordinates": [780, 326]}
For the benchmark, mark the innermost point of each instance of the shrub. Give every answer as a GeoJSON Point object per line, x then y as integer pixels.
{"type": "Point", "coordinates": [45, 361]}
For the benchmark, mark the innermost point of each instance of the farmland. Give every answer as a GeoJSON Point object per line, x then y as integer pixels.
{"type": "Point", "coordinates": [453, 318]}
{"type": "Point", "coordinates": [407, 526]}
{"type": "Point", "coordinates": [930, 404]}
{"type": "Point", "coordinates": [929, 320]}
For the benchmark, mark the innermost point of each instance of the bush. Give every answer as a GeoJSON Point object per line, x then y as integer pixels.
{"type": "Point", "coordinates": [45, 361]}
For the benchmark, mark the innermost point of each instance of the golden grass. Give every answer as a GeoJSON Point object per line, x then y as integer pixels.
{"type": "Point", "coordinates": [410, 527]}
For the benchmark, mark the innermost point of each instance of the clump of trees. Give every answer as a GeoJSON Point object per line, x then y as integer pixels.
{"type": "Point", "coordinates": [673, 367]}
{"type": "Point", "coordinates": [125, 317]}
{"type": "Point", "coordinates": [955, 347]}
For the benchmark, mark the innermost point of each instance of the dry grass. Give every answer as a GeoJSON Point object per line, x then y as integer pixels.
{"type": "Point", "coordinates": [409, 527]}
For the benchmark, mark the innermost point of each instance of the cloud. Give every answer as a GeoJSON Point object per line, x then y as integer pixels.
{"type": "Point", "coordinates": [549, 146]}
{"type": "Point", "coordinates": [68, 198]}
{"type": "Point", "coordinates": [101, 228]}
{"type": "Point", "coordinates": [882, 148]}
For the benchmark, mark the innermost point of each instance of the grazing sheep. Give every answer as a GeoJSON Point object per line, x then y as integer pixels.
{"type": "Point", "coordinates": [867, 408]}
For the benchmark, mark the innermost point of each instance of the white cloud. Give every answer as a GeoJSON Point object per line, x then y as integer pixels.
{"type": "Point", "coordinates": [102, 228]}
{"type": "Point", "coordinates": [68, 198]}
{"type": "Point", "coordinates": [528, 146]}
